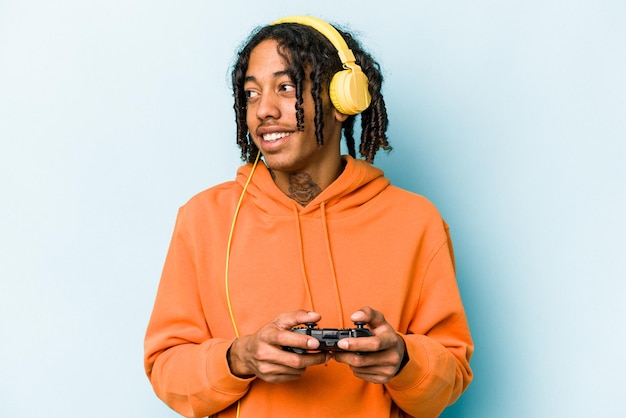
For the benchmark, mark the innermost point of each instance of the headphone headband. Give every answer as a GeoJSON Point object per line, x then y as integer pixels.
{"type": "Point", "coordinates": [349, 90]}
{"type": "Point", "coordinates": [326, 29]}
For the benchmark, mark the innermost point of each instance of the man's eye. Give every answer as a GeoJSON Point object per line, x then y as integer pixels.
{"type": "Point", "coordinates": [251, 94]}
{"type": "Point", "coordinates": [288, 88]}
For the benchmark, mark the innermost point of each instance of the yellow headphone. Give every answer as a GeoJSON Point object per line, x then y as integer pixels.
{"type": "Point", "coordinates": [348, 88]}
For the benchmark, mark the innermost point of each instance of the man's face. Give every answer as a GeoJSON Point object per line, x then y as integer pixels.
{"type": "Point", "coordinates": [271, 116]}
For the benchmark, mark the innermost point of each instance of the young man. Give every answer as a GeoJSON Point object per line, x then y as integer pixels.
{"type": "Point", "coordinates": [308, 236]}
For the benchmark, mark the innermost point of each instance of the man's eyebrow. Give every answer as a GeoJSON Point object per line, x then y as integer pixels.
{"type": "Point", "coordinates": [276, 75]}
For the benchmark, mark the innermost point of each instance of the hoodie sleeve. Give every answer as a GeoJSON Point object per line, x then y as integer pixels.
{"type": "Point", "coordinates": [438, 343]}
{"type": "Point", "coordinates": [186, 366]}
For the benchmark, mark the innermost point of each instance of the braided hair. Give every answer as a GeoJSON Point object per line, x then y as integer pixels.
{"type": "Point", "coordinates": [303, 47]}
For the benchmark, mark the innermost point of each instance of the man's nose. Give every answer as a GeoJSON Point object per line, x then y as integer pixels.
{"type": "Point", "coordinates": [268, 106]}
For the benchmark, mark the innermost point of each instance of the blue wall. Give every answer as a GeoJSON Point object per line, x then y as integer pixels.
{"type": "Point", "coordinates": [509, 116]}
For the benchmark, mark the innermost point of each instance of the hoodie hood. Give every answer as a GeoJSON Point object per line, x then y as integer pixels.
{"type": "Point", "coordinates": [358, 183]}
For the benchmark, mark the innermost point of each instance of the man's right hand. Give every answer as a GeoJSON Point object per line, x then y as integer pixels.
{"type": "Point", "coordinates": [261, 354]}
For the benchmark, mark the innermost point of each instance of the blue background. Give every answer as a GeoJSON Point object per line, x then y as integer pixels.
{"type": "Point", "coordinates": [509, 116]}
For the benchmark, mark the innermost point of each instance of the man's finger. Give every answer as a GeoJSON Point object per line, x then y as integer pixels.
{"type": "Point", "coordinates": [289, 320]}
{"type": "Point", "coordinates": [371, 316]}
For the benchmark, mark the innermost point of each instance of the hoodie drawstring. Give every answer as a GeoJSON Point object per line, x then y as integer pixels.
{"type": "Point", "coordinates": [329, 252]}
{"type": "Point", "coordinates": [332, 264]}
{"type": "Point", "coordinates": [307, 286]}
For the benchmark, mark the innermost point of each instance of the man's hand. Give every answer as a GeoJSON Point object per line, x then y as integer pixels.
{"type": "Point", "coordinates": [380, 356]}
{"type": "Point", "coordinates": [261, 353]}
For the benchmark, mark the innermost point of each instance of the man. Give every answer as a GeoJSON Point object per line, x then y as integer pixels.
{"type": "Point", "coordinates": [308, 236]}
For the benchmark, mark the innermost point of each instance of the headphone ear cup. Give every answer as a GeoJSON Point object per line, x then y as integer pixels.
{"type": "Point", "coordinates": [349, 91]}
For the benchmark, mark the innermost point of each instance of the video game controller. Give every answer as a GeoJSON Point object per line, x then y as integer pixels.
{"type": "Point", "coordinates": [329, 337]}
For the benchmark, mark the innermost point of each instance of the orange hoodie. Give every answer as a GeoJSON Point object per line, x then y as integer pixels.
{"type": "Point", "coordinates": [361, 242]}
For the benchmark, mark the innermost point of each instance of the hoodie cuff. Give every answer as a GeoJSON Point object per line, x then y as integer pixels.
{"type": "Point", "coordinates": [218, 373]}
{"type": "Point", "coordinates": [415, 365]}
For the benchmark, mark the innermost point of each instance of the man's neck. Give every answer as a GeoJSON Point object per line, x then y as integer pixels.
{"type": "Point", "coordinates": [302, 187]}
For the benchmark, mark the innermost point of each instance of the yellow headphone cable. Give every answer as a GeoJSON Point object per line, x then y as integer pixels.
{"type": "Point", "coordinates": [230, 239]}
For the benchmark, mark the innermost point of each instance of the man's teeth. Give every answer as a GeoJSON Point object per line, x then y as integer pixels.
{"type": "Point", "coordinates": [275, 136]}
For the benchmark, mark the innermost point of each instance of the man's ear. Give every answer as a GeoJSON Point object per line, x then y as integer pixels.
{"type": "Point", "coordinates": [340, 117]}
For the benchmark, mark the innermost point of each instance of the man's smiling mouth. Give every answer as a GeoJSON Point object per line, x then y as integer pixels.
{"type": "Point", "coordinates": [275, 136]}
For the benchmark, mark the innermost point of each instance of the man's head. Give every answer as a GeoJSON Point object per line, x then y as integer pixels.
{"type": "Point", "coordinates": [311, 58]}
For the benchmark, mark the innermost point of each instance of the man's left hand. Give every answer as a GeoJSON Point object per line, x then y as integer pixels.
{"type": "Point", "coordinates": [380, 356]}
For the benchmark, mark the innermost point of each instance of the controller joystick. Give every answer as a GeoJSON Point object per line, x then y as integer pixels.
{"type": "Point", "coordinates": [329, 337]}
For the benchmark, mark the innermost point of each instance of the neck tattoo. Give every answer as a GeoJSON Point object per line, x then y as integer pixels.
{"type": "Point", "coordinates": [302, 188]}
